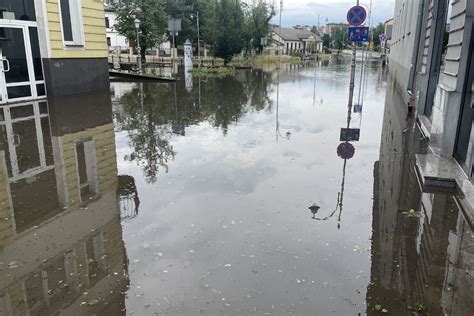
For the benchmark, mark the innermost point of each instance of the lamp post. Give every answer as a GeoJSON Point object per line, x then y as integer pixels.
{"type": "Point", "coordinates": [199, 42]}
{"type": "Point", "coordinates": [198, 38]}
{"type": "Point", "coordinates": [279, 41]}
{"type": "Point", "coordinates": [137, 27]}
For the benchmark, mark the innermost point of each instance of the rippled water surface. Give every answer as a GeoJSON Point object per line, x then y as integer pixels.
{"type": "Point", "coordinates": [227, 196]}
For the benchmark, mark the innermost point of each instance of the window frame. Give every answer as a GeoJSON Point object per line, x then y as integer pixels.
{"type": "Point", "coordinates": [77, 25]}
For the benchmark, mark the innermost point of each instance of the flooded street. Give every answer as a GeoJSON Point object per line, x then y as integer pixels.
{"type": "Point", "coordinates": [226, 196]}
{"type": "Point", "coordinates": [223, 225]}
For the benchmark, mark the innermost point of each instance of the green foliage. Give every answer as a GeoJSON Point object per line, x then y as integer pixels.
{"type": "Point", "coordinates": [230, 23]}
{"type": "Point", "coordinates": [259, 16]}
{"type": "Point", "coordinates": [326, 41]}
{"type": "Point", "coordinates": [340, 40]}
{"type": "Point", "coordinates": [376, 31]}
{"type": "Point", "coordinates": [209, 21]}
{"type": "Point", "coordinates": [153, 21]}
{"type": "Point", "coordinates": [218, 72]}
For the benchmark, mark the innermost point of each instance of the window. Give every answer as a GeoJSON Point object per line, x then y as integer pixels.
{"type": "Point", "coordinates": [107, 22]}
{"type": "Point", "coordinates": [71, 22]}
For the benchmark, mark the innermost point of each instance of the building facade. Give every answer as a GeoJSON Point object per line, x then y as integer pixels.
{"type": "Point", "coordinates": [52, 47]}
{"type": "Point", "coordinates": [388, 31]}
{"type": "Point", "coordinates": [432, 70]}
{"type": "Point", "coordinates": [60, 234]}
{"type": "Point", "coordinates": [296, 41]}
{"type": "Point", "coordinates": [115, 41]}
{"type": "Point", "coordinates": [420, 264]}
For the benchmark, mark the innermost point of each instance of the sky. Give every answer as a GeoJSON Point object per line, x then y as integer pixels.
{"type": "Point", "coordinates": [306, 11]}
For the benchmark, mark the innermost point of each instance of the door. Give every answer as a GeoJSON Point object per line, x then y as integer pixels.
{"type": "Point", "coordinates": [21, 72]}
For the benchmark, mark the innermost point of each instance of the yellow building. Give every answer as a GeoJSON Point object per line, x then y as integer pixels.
{"type": "Point", "coordinates": [61, 247]}
{"type": "Point", "coordinates": [52, 47]}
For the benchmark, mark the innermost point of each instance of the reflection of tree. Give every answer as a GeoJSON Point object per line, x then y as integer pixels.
{"type": "Point", "coordinates": [148, 138]}
{"type": "Point", "coordinates": [153, 113]}
{"type": "Point", "coordinates": [257, 83]}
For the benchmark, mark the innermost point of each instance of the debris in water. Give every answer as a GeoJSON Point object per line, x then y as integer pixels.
{"type": "Point", "coordinates": [13, 265]}
{"type": "Point", "coordinates": [412, 214]}
{"type": "Point", "coordinates": [227, 265]}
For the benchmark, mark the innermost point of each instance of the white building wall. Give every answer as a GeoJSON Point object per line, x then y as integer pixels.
{"type": "Point", "coordinates": [116, 40]}
{"type": "Point", "coordinates": [403, 41]}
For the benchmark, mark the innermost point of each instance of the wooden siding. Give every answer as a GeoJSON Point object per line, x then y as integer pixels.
{"type": "Point", "coordinates": [94, 31]}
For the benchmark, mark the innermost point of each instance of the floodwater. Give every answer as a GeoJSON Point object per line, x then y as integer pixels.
{"type": "Point", "coordinates": [226, 197]}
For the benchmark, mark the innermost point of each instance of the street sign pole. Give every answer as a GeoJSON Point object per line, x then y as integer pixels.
{"type": "Point", "coordinates": [355, 16]}
{"type": "Point", "coordinates": [352, 84]}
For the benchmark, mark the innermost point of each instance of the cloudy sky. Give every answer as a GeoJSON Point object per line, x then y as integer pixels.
{"type": "Point", "coordinates": [306, 11]}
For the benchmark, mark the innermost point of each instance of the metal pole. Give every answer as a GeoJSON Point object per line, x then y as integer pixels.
{"type": "Point", "coordinates": [174, 28]}
{"type": "Point", "coordinates": [353, 73]}
{"type": "Point", "coordinates": [279, 42]}
{"type": "Point", "coordinates": [199, 42]}
{"type": "Point", "coordinates": [139, 52]}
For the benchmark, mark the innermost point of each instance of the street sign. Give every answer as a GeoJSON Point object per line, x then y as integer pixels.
{"type": "Point", "coordinates": [358, 34]}
{"type": "Point", "coordinates": [345, 150]}
{"type": "Point", "coordinates": [350, 135]}
{"type": "Point", "coordinates": [383, 37]}
{"type": "Point", "coordinates": [356, 15]}
{"type": "Point", "coordinates": [174, 25]}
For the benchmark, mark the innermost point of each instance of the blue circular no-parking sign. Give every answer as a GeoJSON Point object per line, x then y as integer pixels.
{"type": "Point", "coordinates": [356, 15]}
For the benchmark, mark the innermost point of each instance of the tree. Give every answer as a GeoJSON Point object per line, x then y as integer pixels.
{"type": "Point", "coordinates": [261, 12]}
{"type": "Point", "coordinates": [376, 32]}
{"type": "Point", "coordinates": [230, 23]}
{"type": "Point", "coordinates": [209, 21]}
{"type": "Point", "coordinates": [326, 41]}
{"type": "Point", "coordinates": [340, 39]}
{"type": "Point", "coordinates": [153, 21]}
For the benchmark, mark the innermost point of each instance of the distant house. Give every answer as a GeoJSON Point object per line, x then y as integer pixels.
{"type": "Point", "coordinates": [291, 40]}
{"type": "Point", "coordinates": [385, 45]}
{"type": "Point", "coordinates": [115, 41]}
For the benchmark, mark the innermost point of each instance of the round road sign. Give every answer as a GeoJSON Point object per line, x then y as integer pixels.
{"type": "Point", "coordinates": [356, 15]}
{"type": "Point", "coordinates": [346, 150]}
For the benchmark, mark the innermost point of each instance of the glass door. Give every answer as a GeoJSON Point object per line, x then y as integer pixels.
{"type": "Point", "coordinates": [21, 73]}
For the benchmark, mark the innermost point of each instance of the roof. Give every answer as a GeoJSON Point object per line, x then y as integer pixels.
{"type": "Point", "coordinates": [289, 34]}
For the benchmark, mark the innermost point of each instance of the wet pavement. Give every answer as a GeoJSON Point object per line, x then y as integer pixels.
{"type": "Point", "coordinates": [194, 197]}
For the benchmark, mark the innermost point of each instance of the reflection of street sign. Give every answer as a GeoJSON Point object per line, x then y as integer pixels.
{"type": "Point", "coordinates": [357, 108]}
{"type": "Point", "coordinates": [383, 37]}
{"type": "Point", "coordinates": [358, 34]}
{"type": "Point", "coordinates": [263, 41]}
{"type": "Point", "coordinates": [350, 135]}
{"type": "Point", "coordinates": [356, 15]}
{"type": "Point", "coordinates": [345, 150]}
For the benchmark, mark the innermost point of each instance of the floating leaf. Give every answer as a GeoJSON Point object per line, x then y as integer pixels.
{"type": "Point", "coordinates": [92, 302]}
{"type": "Point", "coordinates": [412, 214]}
{"type": "Point", "coordinates": [378, 307]}
{"type": "Point", "coordinates": [385, 311]}
{"type": "Point", "coordinates": [13, 265]}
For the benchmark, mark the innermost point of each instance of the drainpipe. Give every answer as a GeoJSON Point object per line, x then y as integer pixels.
{"type": "Point", "coordinates": [416, 50]}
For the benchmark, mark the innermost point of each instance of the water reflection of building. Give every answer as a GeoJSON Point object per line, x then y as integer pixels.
{"type": "Point", "coordinates": [61, 247]}
{"type": "Point", "coordinates": [418, 264]}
